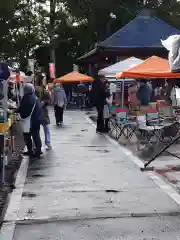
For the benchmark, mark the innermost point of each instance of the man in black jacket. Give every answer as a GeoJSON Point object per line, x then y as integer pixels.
{"type": "Point", "coordinates": [98, 100]}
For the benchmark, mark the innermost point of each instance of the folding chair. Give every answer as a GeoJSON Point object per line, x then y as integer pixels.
{"type": "Point", "coordinates": [148, 135]}
{"type": "Point", "coordinates": [166, 113]}
{"type": "Point", "coordinates": [126, 126]}
{"type": "Point", "coordinates": [112, 120]}
{"type": "Point", "coordinates": [152, 117]}
{"type": "Point", "coordinates": [169, 119]}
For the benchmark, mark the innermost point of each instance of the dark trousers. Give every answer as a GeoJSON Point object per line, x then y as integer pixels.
{"type": "Point", "coordinates": [80, 101]}
{"type": "Point", "coordinates": [35, 136]}
{"type": "Point", "coordinates": [106, 125]}
{"type": "Point", "coordinates": [59, 111]}
{"type": "Point", "coordinates": [100, 119]}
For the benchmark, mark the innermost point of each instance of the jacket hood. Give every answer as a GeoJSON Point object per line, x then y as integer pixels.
{"type": "Point", "coordinates": [28, 89]}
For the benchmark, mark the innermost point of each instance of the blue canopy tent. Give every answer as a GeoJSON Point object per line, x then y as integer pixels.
{"type": "Point", "coordinates": [141, 38]}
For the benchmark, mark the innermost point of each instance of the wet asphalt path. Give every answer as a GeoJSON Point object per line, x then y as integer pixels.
{"type": "Point", "coordinates": [88, 189]}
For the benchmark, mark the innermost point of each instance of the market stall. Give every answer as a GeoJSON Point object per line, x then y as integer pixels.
{"type": "Point", "coordinates": [79, 82]}
{"type": "Point", "coordinates": [122, 84]}
{"type": "Point", "coordinates": [74, 77]}
{"type": "Point", "coordinates": [154, 68]}
{"type": "Point", "coordinates": [7, 119]}
{"type": "Point", "coordinates": [111, 71]}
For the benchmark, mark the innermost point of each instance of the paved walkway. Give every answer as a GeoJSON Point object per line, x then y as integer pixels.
{"type": "Point", "coordinates": [88, 188]}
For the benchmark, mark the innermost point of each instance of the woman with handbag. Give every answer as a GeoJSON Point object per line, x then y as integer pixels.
{"type": "Point", "coordinates": [31, 115]}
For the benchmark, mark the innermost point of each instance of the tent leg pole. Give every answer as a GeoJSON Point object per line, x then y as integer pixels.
{"type": "Point", "coordinates": [122, 90]}
{"type": "Point", "coordinates": [159, 153]}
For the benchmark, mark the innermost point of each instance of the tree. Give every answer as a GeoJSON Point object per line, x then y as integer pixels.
{"type": "Point", "coordinates": [72, 27]}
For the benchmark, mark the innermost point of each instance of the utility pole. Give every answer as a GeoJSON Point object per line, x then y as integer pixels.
{"type": "Point", "coordinates": [51, 33]}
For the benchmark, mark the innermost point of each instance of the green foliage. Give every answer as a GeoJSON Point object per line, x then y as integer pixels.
{"type": "Point", "coordinates": [73, 27]}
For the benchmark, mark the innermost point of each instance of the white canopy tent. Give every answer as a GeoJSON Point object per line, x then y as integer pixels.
{"type": "Point", "coordinates": [111, 71]}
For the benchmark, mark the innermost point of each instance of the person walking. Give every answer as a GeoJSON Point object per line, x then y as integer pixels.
{"type": "Point", "coordinates": [31, 115]}
{"type": "Point", "coordinates": [81, 95]}
{"type": "Point", "coordinates": [45, 101]}
{"type": "Point", "coordinates": [59, 100]}
{"type": "Point", "coordinates": [99, 100]}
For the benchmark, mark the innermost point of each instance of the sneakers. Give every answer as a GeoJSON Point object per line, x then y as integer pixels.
{"type": "Point", "coordinates": [48, 147]}
{"type": "Point", "coordinates": [60, 123]}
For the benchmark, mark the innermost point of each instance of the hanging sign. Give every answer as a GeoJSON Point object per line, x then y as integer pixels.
{"type": "Point", "coordinates": [31, 65]}
{"type": "Point", "coordinates": [112, 87]}
{"type": "Point", "coordinates": [118, 86]}
{"type": "Point", "coordinates": [52, 70]}
{"type": "Point", "coordinates": [75, 68]}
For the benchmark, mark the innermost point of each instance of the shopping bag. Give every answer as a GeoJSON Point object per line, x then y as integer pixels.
{"type": "Point", "coordinates": [26, 122]}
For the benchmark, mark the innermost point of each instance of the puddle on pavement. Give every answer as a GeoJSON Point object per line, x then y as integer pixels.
{"type": "Point", "coordinates": [78, 135]}
{"type": "Point", "coordinates": [94, 146]}
{"type": "Point", "coordinates": [112, 191]}
{"type": "Point", "coordinates": [35, 168]}
{"type": "Point", "coordinates": [29, 195]}
{"type": "Point", "coordinates": [84, 130]}
{"type": "Point", "coordinates": [38, 175]}
{"type": "Point", "coordinates": [102, 151]}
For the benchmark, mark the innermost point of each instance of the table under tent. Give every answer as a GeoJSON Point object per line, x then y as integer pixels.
{"type": "Point", "coordinates": [121, 92]}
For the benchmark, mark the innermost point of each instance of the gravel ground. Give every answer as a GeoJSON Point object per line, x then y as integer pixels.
{"type": "Point", "coordinates": [11, 169]}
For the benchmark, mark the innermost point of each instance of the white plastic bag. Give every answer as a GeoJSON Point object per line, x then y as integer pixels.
{"type": "Point", "coordinates": [26, 122]}
{"type": "Point", "coordinates": [168, 43]}
{"type": "Point", "coordinates": [178, 96]}
{"type": "Point", "coordinates": [172, 44]}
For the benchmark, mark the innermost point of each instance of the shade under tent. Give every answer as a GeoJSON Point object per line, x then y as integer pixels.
{"type": "Point", "coordinates": [111, 71]}
{"type": "Point", "coordinates": [121, 86]}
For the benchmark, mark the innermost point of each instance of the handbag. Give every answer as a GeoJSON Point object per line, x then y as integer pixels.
{"type": "Point", "coordinates": [26, 122]}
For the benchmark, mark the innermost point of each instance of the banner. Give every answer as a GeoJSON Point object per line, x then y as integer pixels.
{"type": "Point", "coordinates": [31, 65]}
{"type": "Point", "coordinates": [52, 70]}
{"type": "Point", "coordinates": [118, 86]}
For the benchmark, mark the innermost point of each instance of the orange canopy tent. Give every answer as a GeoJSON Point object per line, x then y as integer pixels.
{"type": "Point", "coordinates": [73, 77]}
{"type": "Point", "coordinates": [153, 67]}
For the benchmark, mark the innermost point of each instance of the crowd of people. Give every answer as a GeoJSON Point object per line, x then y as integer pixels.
{"type": "Point", "coordinates": [140, 94]}
{"type": "Point", "coordinates": [33, 112]}
{"type": "Point", "coordinates": [33, 107]}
